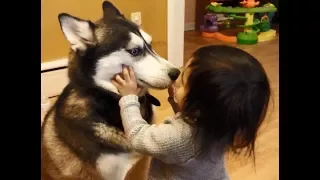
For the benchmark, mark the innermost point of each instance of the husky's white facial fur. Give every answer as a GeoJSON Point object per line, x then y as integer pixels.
{"type": "Point", "coordinates": [151, 70]}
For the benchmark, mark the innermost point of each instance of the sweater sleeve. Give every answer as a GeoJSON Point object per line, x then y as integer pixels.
{"type": "Point", "coordinates": [169, 142]}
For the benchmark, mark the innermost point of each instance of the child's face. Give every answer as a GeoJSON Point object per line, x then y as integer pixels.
{"type": "Point", "coordinates": [178, 91]}
{"type": "Point", "coordinates": [180, 85]}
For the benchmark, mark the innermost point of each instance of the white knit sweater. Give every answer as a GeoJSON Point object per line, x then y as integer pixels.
{"type": "Point", "coordinates": [172, 146]}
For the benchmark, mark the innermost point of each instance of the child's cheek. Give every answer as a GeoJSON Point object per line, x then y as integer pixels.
{"type": "Point", "coordinates": [175, 89]}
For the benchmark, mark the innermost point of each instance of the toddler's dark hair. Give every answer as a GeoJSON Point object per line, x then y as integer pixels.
{"type": "Point", "coordinates": [228, 94]}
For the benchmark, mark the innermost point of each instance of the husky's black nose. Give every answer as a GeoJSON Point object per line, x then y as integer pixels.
{"type": "Point", "coordinates": [174, 74]}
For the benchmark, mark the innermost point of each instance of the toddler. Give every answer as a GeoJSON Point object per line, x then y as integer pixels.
{"type": "Point", "coordinates": [222, 95]}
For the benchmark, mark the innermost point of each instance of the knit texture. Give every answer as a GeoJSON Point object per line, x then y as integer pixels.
{"type": "Point", "coordinates": [171, 145]}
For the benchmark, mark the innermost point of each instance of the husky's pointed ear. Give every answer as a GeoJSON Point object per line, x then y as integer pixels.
{"type": "Point", "coordinates": [109, 10]}
{"type": "Point", "coordinates": [80, 33]}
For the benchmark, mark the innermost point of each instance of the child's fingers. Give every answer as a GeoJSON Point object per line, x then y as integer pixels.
{"type": "Point", "coordinates": [115, 84]}
{"type": "Point", "coordinates": [132, 75]}
{"type": "Point", "coordinates": [139, 89]}
{"type": "Point", "coordinates": [125, 73]}
{"type": "Point", "coordinates": [119, 80]}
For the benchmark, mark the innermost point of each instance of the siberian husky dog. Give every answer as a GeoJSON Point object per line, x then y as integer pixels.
{"type": "Point", "coordinates": [82, 135]}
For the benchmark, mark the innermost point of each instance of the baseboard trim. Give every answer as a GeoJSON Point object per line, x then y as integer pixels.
{"type": "Point", "coordinates": [189, 26]}
{"type": "Point", "coordinates": [54, 77]}
{"type": "Point", "coordinates": [53, 82]}
{"type": "Point", "coordinates": [63, 62]}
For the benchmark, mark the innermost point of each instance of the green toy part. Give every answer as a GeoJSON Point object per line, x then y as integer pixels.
{"type": "Point", "coordinates": [238, 17]}
{"type": "Point", "coordinates": [255, 23]}
{"type": "Point", "coordinates": [264, 25]}
{"type": "Point", "coordinates": [247, 38]}
{"type": "Point", "coordinates": [221, 9]}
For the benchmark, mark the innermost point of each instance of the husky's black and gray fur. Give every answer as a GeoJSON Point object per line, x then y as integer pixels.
{"type": "Point", "coordinates": [82, 134]}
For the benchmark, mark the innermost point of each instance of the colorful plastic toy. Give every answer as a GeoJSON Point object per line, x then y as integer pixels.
{"type": "Point", "coordinates": [256, 25]}
{"type": "Point", "coordinates": [210, 23]}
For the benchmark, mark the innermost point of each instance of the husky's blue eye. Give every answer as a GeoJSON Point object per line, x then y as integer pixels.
{"type": "Point", "coordinates": [135, 51]}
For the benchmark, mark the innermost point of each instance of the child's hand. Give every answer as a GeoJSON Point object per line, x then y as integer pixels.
{"type": "Point", "coordinates": [128, 85]}
{"type": "Point", "coordinates": [171, 91]}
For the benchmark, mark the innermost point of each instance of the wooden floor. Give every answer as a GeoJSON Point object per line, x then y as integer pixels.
{"type": "Point", "coordinates": [267, 155]}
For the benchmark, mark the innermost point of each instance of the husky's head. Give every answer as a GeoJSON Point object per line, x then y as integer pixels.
{"type": "Point", "coordinates": [98, 51]}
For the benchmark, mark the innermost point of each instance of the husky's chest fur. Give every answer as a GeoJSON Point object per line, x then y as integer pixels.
{"type": "Point", "coordinates": [82, 131]}
{"type": "Point", "coordinates": [113, 166]}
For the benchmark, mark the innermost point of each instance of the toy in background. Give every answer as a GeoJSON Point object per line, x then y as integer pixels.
{"type": "Point", "coordinates": [256, 26]}
{"type": "Point", "coordinates": [265, 19]}
{"type": "Point", "coordinates": [210, 23]}
{"type": "Point", "coordinates": [249, 3]}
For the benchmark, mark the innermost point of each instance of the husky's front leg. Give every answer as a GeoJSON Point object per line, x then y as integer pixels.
{"type": "Point", "coordinates": [110, 136]}
{"type": "Point", "coordinates": [114, 166]}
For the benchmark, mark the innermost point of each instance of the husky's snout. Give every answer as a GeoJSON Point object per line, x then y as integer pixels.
{"type": "Point", "coordinates": [174, 74]}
